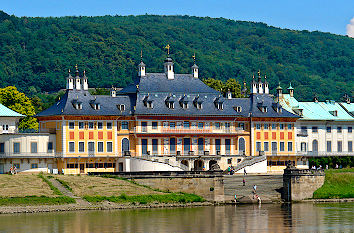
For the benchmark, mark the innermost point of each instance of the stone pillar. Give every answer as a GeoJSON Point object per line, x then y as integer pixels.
{"type": "Point", "coordinates": [300, 184]}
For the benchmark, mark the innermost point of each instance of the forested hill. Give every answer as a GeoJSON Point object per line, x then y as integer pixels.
{"type": "Point", "coordinates": [37, 52]}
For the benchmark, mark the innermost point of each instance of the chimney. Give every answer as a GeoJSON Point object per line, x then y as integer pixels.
{"type": "Point", "coordinates": [229, 95]}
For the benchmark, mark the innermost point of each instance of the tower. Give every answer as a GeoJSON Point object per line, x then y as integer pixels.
{"type": "Point", "coordinates": [84, 81]}
{"type": "Point", "coordinates": [194, 68]}
{"type": "Point", "coordinates": [113, 91]}
{"type": "Point", "coordinates": [229, 94]}
{"type": "Point", "coordinates": [77, 79]}
{"type": "Point", "coordinates": [168, 65]}
{"type": "Point", "coordinates": [260, 84]}
{"type": "Point", "coordinates": [291, 90]}
{"type": "Point", "coordinates": [279, 92]}
{"type": "Point", "coordinates": [266, 85]}
{"type": "Point", "coordinates": [141, 66]}
{"type": "Point", "coordinates": [69, 82]}
{"type": "Point", "coordinates": [254, 86]}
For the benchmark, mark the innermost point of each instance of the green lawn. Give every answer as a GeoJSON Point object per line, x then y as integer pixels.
{"type": "Point", "coordinates": [339, 183]}
{"type": "Point", "coordinates": [144, 199]}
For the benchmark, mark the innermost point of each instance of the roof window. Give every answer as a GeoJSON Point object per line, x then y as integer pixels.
{"type": "Point", "coordinates": [121, 107]}
{"type": "Point", "coordinates": [238, 109]}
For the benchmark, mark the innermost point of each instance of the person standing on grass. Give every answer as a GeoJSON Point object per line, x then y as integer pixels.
{"type": "Point", "coordinates": [11, 170]}
{"type": "Point", "coordinates": [254, 188]}
{"type": "Point", "coordinates": [243, 181]}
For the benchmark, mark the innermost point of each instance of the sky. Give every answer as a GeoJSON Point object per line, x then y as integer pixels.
{"type": "Point", "coordinates": [334, 16]}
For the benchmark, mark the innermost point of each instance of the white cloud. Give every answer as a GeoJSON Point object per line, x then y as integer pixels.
{"type": "Point", "coordinates": [350, 28]}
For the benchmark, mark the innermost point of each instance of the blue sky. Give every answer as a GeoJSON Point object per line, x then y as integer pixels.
{"type": "Point", "coordinates": [322, 15]}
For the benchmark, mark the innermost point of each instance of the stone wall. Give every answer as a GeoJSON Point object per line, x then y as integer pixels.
{"type": "Point", "coordinates": [300, 184]}
{"type": "Point", "coordinates": [210, 188]}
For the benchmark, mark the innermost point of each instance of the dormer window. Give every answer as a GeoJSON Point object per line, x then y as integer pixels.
{"type": "Point", "coordinates": [263, 109]}
{"type": "Point", "coordinates": [218, 102]}
{"type": "Point", "coordinates": [76, 104]}
{"type": "Point", "coordinates": [298, 111]}
{"type": "Point", "coordinates": [198, 102]}
{"type": "Point", "coordinates": [170, 105]}
{"type": "Point", "coordinates": [184, 105]}
{"type": "Point", "coordinates": [148, 102]}
{"type": "Point", "coordinates": [238, 109]}
{"type": "Point", "coordinates": [334, 113]}
{"type": "Point", "coordinates": [199, 105]}
{"type": "Point", "coordinates": [219, 106]}
{"type": "Point", "coordinates": [121, 107]}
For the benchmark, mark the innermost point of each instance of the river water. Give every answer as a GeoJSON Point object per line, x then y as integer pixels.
{"type": "Point", "coordinates": [302, 217]}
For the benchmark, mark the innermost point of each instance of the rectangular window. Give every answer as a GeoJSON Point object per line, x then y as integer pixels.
{"type": "Point", "coordinates": [281, 126]}
{"type": "Point", "coordinates": [172, 145]}
{"type": "Point", "coordinates": [50, 147]}
{"type": "Point", "coordinates": [227, 146]}
{"type": "Point", "coordinates": [290, 126]}
{"type": "Point", "coordinates": [227, 125]}
{"type": "Point", "coordinates": [217, 145]}
{"type": "Point", "coordinates": [172, 125]}
{"type": "Point", "coordinates": [266, 146]}
{"type": "Point", "coordinates": [71, 146]}
{"type": "Point", "coordinates": [350, 146]}
{"type": "Point", "coordinates": [99, 125]}
{"type": "Point", "coordinates": [34, 165]}
{"type": "Point", "coordinates": [90, 125]}
{"type": "Point", "coordinates": [266, 126]}
{"type": "Point", "coordinates": [339, 146]}
{"type": "Point", "coordinates": [144, 146]}
{"type": "Point", "coordinates": [154, 146]}
{"type": "Point", "coordinates": [186, 124]}
{"type": "Point", "coordinates": [339, 129]}
{"type": "Point", "coordinates": [109, 125]}
{"type": "Point", "coordinates": [274, 147]}
{"type": "Point", "coordinates": [81, 125]}
{"type": "Point", "coordinates": [258, 126]}
{"type": "Point", "coordinates": [303, 129]}
{"type": "Point", "coordinates": [71, 125]}
{"type": "Point", "coordinates": [100, 146]}
{"type": "Point", "coordinates": [2, 148]}
{"type": "Point", "coordinates": [274, 126]}
{"type": "Point", "coordinates": [33, 147]}
{"type": "Point", "coordinates": [314, 129]}
{"type": "Point", "coordinates": [258, 146]}
{"type": "Point", "coordinates": [281, 146]}
{"type": "Point", "coordinates": [303, 146]}
{"type": "Point", "coordinates": [217, 125]}
{"type": "Point", "coordinates": [200, 125]}
{"type": "Point", "coordinates": [229, 161]}
{"type": "Point", "coordinates": [91, 147]}
{"type": "Point", "coordinates": [329, 129]}
{"type": "Point", "coordinates": [125, 125]}
{"type": "Point", "coordinates": [241, 126]}
{"type": "Point", "coordinates": [109, 147]}
{"type": "Point", "coordinates": [290, 146]}
{"type": "Point", "coordinates": [17, 148]}
{"type": "Point", "coordinates": [154, 125]}
{"type": "Point", "coordinates": [350, 129]}
{"type": "Point", "coordinates": [81, 147]}
{"type": "Point", "coordinates": [329, 146]}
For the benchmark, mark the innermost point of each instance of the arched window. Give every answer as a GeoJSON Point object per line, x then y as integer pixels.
{"type": "Point", "coordinates": [241, 146]}
{"type": "Point", "coordinates": [125, 144]}
{"type": "Point", "coordinates": [315, 146]}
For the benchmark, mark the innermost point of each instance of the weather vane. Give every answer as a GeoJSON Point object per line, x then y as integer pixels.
{"type": "Point", "coordinates": [168, 49]}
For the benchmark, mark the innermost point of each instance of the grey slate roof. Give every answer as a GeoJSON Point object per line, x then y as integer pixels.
{"type": "Point", "coordinates": [155, 88]}
{"type": "Point", "coordinates": [108, 105]}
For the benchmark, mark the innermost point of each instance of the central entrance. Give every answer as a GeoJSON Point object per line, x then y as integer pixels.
{"type": "Point", "coordinates": [198, 165]}
{"type": "Point", "coordinates": [82, 167]}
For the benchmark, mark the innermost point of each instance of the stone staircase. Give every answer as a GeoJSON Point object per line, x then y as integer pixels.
{"type": "Point", "coordinates": [266, 186]}
{"type": "Point", "coordinates": [249, 161]}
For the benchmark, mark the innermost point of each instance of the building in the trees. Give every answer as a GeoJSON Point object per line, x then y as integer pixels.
{"type": "Point", "coordinates": [167, 121]}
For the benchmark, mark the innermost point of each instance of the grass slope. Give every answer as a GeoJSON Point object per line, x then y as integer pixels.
{"type": "Point", "coordinates": [339, 183]}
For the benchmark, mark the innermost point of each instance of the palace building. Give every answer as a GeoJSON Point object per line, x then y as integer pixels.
{"type": "Point", "coordinates": [168, 121]}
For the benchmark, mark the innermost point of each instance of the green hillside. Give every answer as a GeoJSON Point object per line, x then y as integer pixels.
{"type": "Point", "coordinates": [37, 52]}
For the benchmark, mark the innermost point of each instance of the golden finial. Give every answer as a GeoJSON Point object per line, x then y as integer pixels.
{"type": "Point", "coordinates": [168, 49]}
{"type": "Point", "coordinates": [137, 86]}
{"type": "Point", "coordinates": [84, 72]}
{"type": "Point", "coordinates": [69, 71]}
{"type": "Point", "coordinates": [259, 73]}
{"type": "Point", "coordinates": [194, 58]}
{"type": "Point", "coordinates": [76, 67]}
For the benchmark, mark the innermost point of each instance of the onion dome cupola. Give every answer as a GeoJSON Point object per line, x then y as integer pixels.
{"type": "Point", "coordinates": [195, 68]}
{"type": "Point", "coordinates": [260, 83]}
{"type": "Point", "coordinates": [77, 79]}
{"type": "Point", "coordinates": [85, 81]}
{"type": "Point", "coordinates": [279, 91]}
{"type": "Point", "coordinates": [168, 65]}
{"type": "Point", "coordinates": [70, 82]}
{"type": "Point", "coordinates": [254, 86]}
{"type": "Point", "coordinates": [141, 66]}
{"type": "Point", "coordinates": [291, 90]}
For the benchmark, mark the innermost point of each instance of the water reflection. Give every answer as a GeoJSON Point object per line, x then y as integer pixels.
{"type": "Point", "coordinates": [304, 217]}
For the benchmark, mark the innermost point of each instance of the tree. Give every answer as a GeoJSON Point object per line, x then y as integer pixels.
{"type": "Point", "coordinates": [215, 84]}
{"type": "Point", "coordinates": [19, 102]}
{"type": "Point", "coordinates": [234, 86]}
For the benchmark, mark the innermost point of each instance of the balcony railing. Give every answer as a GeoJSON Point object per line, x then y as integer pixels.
{"type": "Point", "coordinates": [325, 153]}
{"type": "Point", "coordinates": [182, 130]}
{"type": "Point", "coordinates": [50, 154]}
{"type": "Point", "coordinates": [302, 133]}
